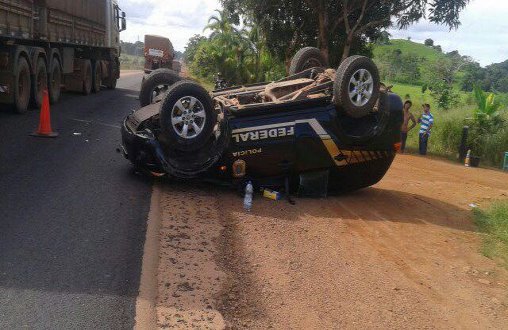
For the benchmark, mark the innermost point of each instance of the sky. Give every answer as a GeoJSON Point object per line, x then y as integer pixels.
{"type": "Point", "coordinates": [483, 34]}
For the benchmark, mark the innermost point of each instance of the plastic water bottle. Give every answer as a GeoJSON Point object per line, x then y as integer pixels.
{"type": "Point", "coordinates": [247, 200]}
{"type": "Point", "coordinates": [468, 158]}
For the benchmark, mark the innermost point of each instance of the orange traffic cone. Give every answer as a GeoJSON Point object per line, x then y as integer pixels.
{"type": "Point", "coordinates": [44, 129]}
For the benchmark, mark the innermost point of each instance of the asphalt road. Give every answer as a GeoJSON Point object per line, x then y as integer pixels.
{"type": "Point", "coordinates": [72, 216]}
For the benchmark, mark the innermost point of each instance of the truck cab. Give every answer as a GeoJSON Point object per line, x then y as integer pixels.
{"type": "Point", "coordinates": [116, 23]}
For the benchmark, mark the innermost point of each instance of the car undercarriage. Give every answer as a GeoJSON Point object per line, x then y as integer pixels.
{"type": "Point", "coordinates": [318, 127]}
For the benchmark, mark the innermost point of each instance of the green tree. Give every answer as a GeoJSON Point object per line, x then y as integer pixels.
{"type": "Point", "coordinates": [429, 42]}
{"type": "Point", "coordinates": [383, 38]}
{"type": "Point", "coordinates": [473, 74]}
{"type": "Point", "coordinates": [192, 47]}
{"type": "Point", "coordinates": [240, 55]}
{"type": "Point", "coordinates": [496, 75]}
{"type": "Point", "coordinates": [290, 24]}
{"type": "Point", "coordinates": [439, 76]}
{"type": "Point", "coordinates": [444, 94]}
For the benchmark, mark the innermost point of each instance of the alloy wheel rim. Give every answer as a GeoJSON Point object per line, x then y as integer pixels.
{"type": "Point", "coordinates": [361, 87]}
{"type": "Point", "coordinates": [188, 117]}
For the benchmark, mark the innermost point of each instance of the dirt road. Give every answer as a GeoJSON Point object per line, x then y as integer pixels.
{"type": "Point", "coordinates": [401, 254]}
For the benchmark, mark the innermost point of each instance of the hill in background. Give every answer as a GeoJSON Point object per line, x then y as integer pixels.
{"type": "Point", "coordinates": [408, 62]}
{"type": "Point", "coordinates": [430, 53]}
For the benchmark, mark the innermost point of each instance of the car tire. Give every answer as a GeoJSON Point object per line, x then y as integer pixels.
{"type": "Point", "coordinates": [368, 129]}
{"type": "Point", "coordinates": [155, 84]}
{"type": "Point", "coordinates": [356, 87]}
{"type": "Point", "coordinates": [187, 116]}
{"type": "Point", "coordinates": [306, 58]}
{"type": "Point", "coordinates": [40, 83]}
{"type": "Point", "coordinates": [22, 86]}
{"type": "Point", "coordinates": [55, 81]}
{"type": "Point", "coordinates": [87, 77]}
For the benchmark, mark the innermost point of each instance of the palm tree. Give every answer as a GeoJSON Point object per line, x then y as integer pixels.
{"type": "Point", "coordinates": [221, 26]}
{"type": "Point", "coordinates": [256, 45]}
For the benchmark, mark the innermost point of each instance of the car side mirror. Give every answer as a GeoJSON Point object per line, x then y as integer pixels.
{"type": "Point", "coordinates": [123, 14]}
{"type": "Point", "coordinates": [124, 24]}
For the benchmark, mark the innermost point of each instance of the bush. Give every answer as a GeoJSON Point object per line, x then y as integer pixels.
{"type": "Point", "coordinates": [448, 134]}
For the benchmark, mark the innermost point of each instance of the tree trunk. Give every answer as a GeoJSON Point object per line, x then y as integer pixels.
{"type": "Point", "coordinates": [323, 34]}
{"type": "Point", "coordinates": [347, 47]}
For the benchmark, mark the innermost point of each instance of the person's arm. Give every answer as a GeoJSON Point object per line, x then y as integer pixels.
{"type": "Point", "coordinates": [431, 123]}
{"type": "Point", "coordinates": [430, 127]}
{"type": "Point", "coordinates": [413, 120]}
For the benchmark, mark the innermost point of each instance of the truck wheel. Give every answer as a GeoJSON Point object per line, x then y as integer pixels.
{"type": "Point", "coordinates": [111, 83]}
{"type": "Point", "coordinates": [22, 86]}
{"type": "Point", "coordinates": [40, 83]}
{"type": "Point", "coordinates": [356, 87]}
{"type": "Point", "coordinates": [114, 67]}
{"type": "Point", "coordinates": [97, 77]}
{"type": "Point", "coordinates": [55, 81]}
{"type": "Point", "coordinates": [306, 58]}
{"type": "Point", "coordinates": [156, 85]}
{"type": "Point", "coordinates": [87, 77]}
{"type": "Point", "coordinates": [187, 116]}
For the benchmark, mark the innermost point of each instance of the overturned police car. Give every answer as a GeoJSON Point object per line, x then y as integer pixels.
{"type": "Point", "coordinates": [318, 130]}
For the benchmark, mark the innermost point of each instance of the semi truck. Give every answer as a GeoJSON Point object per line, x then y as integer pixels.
{"type": "Point", "coordinates": [159, 53]}
{"type": "Point", "coordinates": [55, 44]}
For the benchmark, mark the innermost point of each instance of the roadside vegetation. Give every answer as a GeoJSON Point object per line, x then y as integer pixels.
{"type": "Point", "coordinates": [494, 223]}
{"type": "Point", "coordinates": [131, 62]}
{"type": "Point", "coordinates": [251, 41]}
{"type": "Point", "coordinates": [239, 55]}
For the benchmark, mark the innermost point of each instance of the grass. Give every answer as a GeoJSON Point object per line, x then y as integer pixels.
{"type": "Point", "coordinates": [130, 62]}
{"type": "Point", "coordinates": [409, 47]}
{"type": "Point", "coordinates": [493, 222]}
{"type": "Point", "coordinates": [448, 125]}
{"type": "Point", "coordinates": [208, 85]}
{"type": "Point", "coordinates": [447, 132]}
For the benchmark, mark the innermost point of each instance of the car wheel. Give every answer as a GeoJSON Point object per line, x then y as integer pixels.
{"type": "Point", "coordinates": [55, 81]}
{"type": "Point", "coordinates": [40, 83]}
{"type": "Point", "coordinates": [187, 116]}
{"type": "Point", "coordinates": [306, 58]}
{"type": "Point", "coordinates": [367, 129]}
{"type": "Point", "coordinates": [356, 87]}
{"type": "Point", "coordinates": [156, 85]}
{"type": "Point", "coordinates": [22, 86]}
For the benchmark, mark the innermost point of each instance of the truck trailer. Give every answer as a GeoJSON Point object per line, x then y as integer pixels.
{"type": "Point", "coordinates": [159, 53]}
{"type": "Point", "coordinates": [55, 44]}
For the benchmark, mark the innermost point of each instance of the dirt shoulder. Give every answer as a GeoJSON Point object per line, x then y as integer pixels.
{"type": "Point", "coordinates": [398, 255]}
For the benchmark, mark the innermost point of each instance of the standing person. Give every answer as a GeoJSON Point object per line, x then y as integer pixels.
{"type": "Point", "coordinates": [408, 116]}
{"type": "Point", "coordinates": [426, 121]}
